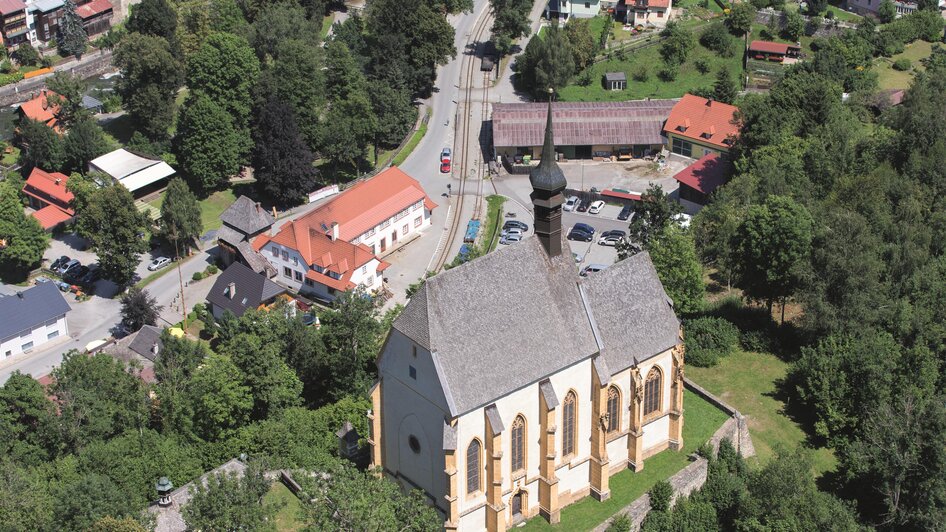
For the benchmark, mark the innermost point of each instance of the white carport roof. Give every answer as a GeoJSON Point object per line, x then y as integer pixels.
{"type": "Point", "coordinates": [131, 170]}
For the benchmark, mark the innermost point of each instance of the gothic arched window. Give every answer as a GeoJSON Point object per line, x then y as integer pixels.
{"type": "Point", "coordinates": [518, 441]}
{"type": "Point", "coordinates": [614, 410]}
{"type": "Point", "coordinates": [652, 391]}
{"type": "Point", "coordinates": [473, 467]}
{"type": "Point", "coordinates": [569, 422]}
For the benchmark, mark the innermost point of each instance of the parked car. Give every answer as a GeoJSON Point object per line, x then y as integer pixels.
{"type": "Point", "coordinates": [510, 238]}
{"type": "Point", "coordinates": [595, 207]}
{"type": "Point", "coordinates": [63, 268]}
{"type": "Point", "coordinates": [511, 231]}
{"type": "Point", "coordinates": [58, 263]}
{"type": "Point", "coordinates": [42, 279]}
{"type": "Point", "coordinates": [626, 212]}
{"type": "Point", "coordinates": [572, 203]}
{"type": "Point", "coordinates": [445, 155]}
{"type": "Point", "coordinates": [591, 268]}
{"type": "Point", "coordinates": [582, 206]}
{"type": "Point", "coordinates": [75, 275]}
{"type": "Point", "coordinates": [445, 167]}
{"type": "Point", "coordinates": [158, 263]}
{"type": "Point", "coordinates": [584, 227]}
{"type": "Point", "coordinates": [578, 234]}
{"type": "Point", "coordinates": [95, 273]}
{"type": "Point", "coordinates": [517, 224]}
{"type": "Point", "coordinates": [615, 232]}
{"type": "Point", "coordinates": [610, 240]}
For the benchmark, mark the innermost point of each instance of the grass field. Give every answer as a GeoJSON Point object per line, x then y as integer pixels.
{"type": "Point", "coordinates": [411, 144]}
{"type": "Point", "coordinates": [688, 77]}
{"type": "Point", "coordinates": [493, 217]}
{"type": "Point", "coordinates": [749, 382]}
{"type": "Point", "coordinates": [701, 420]}
{"type": "Point", "coordinates": [210, 208]}
{"type": "Point", "coordinates": [289, 516]}
{"type": "Point", "coordinates": [888, 78]}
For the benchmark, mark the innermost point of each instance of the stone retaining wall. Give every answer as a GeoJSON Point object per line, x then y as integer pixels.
{"type": "Point", "coordinates": [93, 64]}
{"type": "Point", "coordinates": [693, 476]}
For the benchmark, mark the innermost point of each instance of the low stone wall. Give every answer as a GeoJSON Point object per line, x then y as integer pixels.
{"type": "Point", "coordinates": [91, 65]}
{"type": "Point", "coordinates": [693, 476]}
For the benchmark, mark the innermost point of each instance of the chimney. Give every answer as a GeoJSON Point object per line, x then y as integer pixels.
{"type": "Point", "coordinates": [548, 183]}
{"type": "Point", "coordinates": [709, 102]}
{"type": "Point", "coordinates": [58, 180]}
{"type": "Point", "coordinates": [258, 207]}
{"type": "Point", "coordinates": [231, 290]}
{"type": "Point", "coordinates": [334, 231]}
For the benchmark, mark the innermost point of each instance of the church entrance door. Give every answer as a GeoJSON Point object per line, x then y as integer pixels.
{"type": "Point", "coordinates": [517, 506]}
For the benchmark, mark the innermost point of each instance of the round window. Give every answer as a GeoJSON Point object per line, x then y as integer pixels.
{"type": "Point", "coordinates": [414, 443]}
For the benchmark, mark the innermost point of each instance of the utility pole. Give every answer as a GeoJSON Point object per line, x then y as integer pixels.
{"type": "Point", "coordinates": [180, 277]}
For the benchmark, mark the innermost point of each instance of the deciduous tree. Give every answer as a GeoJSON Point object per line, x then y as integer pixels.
{"type": "Point", "coordinates": [740, 18]}
{"type": "Point", "coordinates": [677, 44]}
{"type": "Point", "coordinates": [28, 431]}
{"type": "Point", "coordinates": [139, 308]}
{"type": "Point", "coordinates": [154, 17]}
{"type": "Point", "coordinates": [112, 223]}
{"type": "Point", "coordinates": [42, 147]}
{"type": "Point", "coordinates": [886, 11]}
{"type": "Point", "coordinates": [231, 502]}
{"type": "Point", "coordinates": [674, 257]}
{"type": "Point", "coordinates": [281, 159]}
{"type": "Point", "coordinates": [217, 399]}
{"type": "Point", "coordinates": [150, 78]}
{"type": "Point", "coordinates": [85, 141]}
{"type": "Point", "coordinates": [653, 213]}
{"type": "Point", "coordinates": [208, 145]}
{"type": "Point", "coordinates": [272, 383]}
{"type": "Point", "coordinates": [25, 240]}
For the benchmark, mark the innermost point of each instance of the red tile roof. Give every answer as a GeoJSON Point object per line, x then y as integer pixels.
{"type": "Point", "coordinates": [702, 120]}
{"type": "Point", "coordinates": [706, 174]}
{"type": "Point", "coordinates": [44, 186]}
{"type": "Point", "coordinates": [50, 216]}
{"type": "Point", "coordinates": [770, 47]}
{"type": "Point", "coordinates": [621, 195]}
{"type": "Point", "coordinates": [8, 7]}
{"type": "Point", "coordinates": [581, 123]}
{"type": "Point", "coordinates": [318, 249]}
{"type": "Point", "coordinates": [40, 110]}
{"type": "Point", "coordinates": [93, 8]}
{"type": "Point", "coordinates": [658, 3]}
{"type": "Point", "coordinates": [367, 204]}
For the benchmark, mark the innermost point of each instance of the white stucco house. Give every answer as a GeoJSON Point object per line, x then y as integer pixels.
{"type": "Point", "coordinates": [564, 9]}
{"type": "Point", "coordinates": [31, 318]}
{"type": "Point", "coordinates": [649, 13]}
{"type": "Point", "coordinates": [511, 387]}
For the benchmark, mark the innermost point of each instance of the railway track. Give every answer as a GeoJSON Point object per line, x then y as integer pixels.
{"type": "Point", "coordinates": [470, 166]}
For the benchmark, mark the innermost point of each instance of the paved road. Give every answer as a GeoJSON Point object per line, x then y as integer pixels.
{"type": "Point", "coordinates": [96, 318]}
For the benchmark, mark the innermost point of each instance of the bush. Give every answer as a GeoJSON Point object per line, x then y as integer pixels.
{"type": "Point", "coordinates": [212, 269]}
{"type": "Point", "coordinates": [902, 64]}
{"type": "Point", "coordinates": [718, 39]}
{"type": "Point", "coordinates": [197, 276]}
{"type": "Point", "coordinates": [667, 73]}
{"type": "Point", "coordinates": [640, 73]}
{"type": "Point", "coordinates": [621, 523]}
{"type": "Point", "coordinates": [702, 64]}
{"type": "Point", "coordinates": [829, 15]}
{"type": "Point", "coordinates": [660, 496]}
{"type": "Point", "coordinates": [709, 338]}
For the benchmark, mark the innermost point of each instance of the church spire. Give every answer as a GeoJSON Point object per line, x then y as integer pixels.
{"type": "Point", "coordinates": [548, 183]}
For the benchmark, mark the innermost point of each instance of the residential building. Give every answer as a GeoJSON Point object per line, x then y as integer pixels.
{"type": "Point", "coordinates": [243, 221]}
{"type": "Point", "coordinates": [870, 7]}
{"type": "Point", "coordinates": [142, 348]}
{"type": "Point", "coordinates": [584, 130]}
{"type": "Point", "coordinates": [39, 108]}
{"type": "Point", "coordinates": [31, 318]}
{"type": "Point", "coordinates": [699, 180]}
{"type": "Point", "coordinates": [648, 13]}
{"type": "Point", "coordinates": [15, 29]}
{"type": "Point", "coordinates": [141, 175]}
{"type": "Point", "coordinates": [49, 198]}
{"type": "Point", "coordinates": [319, 263]}
{"type": "Point", "coordinates": [774, 51]}
{"type": "Point", "coordinates": [563, 9]}
{"type": "Point", "coordinates": [239, 289]}
{"type": "Point", "coordinates": [511, 387]}
{"type": "Point", "coordinates": [46, 15]}
{"type": "Point", "coordinates": [698, 126]}
{"type": "Point", "coordinates": [96, 16]}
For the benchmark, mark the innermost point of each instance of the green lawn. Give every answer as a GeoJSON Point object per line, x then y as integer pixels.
{"type": "Point", "coordinates": [493, 216]}
{"type": "Point", "coordinates": [688, 77]}
{"type": "Point", "coordinates": [326, 25]}
{"type": "Point", "coordinates": [210, 208]}
{"type": "Point", "coordinates": [748, 382]}
{"type": "Point", "coordinates": [411, 144]}
{"type": "Point", "coordinates": [701, 420]}
{"type": "Point", "coordinates": [9, 159]}
{"type": "Point", "coordinates": [839, 13]}
{"type": "Point", "coordinates": [888, 78]}
{"type": "Point", "coordinates": [289, 516]}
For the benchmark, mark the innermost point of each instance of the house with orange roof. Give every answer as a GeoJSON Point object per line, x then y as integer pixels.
{"type": "Point", "coordinates": [699, 126]}
{"type": "Point", "coordinates": [49, 198]}
{"type": "Point", "coordinates": [96, 16]}
{"type": "Point", "coordinates": [40, 109]}
{"type": "Point", "coordinates": [648, 13]}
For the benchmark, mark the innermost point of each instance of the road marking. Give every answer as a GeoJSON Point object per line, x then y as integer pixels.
{"type": "Point", "coordinates": [443, 235]}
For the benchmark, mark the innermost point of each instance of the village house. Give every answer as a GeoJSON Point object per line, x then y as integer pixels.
{"type": "Point", "coordinates": [239, 289]}
{"type": "Point", "coordinates": [30, 318]}
{"type": "Point", "coordinates": [698, 126]}
{"type": "Point", "coordinates": [563, 9]}
{"type": "Point", "coordinates": [699, 180]}
{"type": "Point", "coordinates": [96, 16]}
{"type": "Point", "coordinates": [40, 109]}
{"type": "Point", "coordinates": [591, 377]}
{"type": "Point", "coordinates": [243, 221]}
{"type": "Point", "coordinates": [45, 14]}
{"type": "Point", "coordinates": [584, 130]}
{"type": "Point", "coordinates": [648, 13]}
{"type": "Point", "coordinates": [49, 198]}
{"type": "Point", "coordinates": [15, 30]}
{"type": "Point", "coordinates": [871, 7]}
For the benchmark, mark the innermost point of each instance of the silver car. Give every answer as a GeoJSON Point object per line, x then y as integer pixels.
{"type": "Point", "coordinates": [510, 239]}
{"type": "Point", "coordinates": [158, 263]}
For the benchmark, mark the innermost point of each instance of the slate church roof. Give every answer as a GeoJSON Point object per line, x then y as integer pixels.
{"type": "Point", "coordinates": [516, 316]}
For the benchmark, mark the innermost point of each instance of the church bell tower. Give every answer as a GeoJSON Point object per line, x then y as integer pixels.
{"type": "Point", "coordinates": [548, 183]}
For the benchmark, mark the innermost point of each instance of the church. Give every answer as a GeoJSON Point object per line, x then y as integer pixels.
{"type": "Point", "coordinates": [511, 387]}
